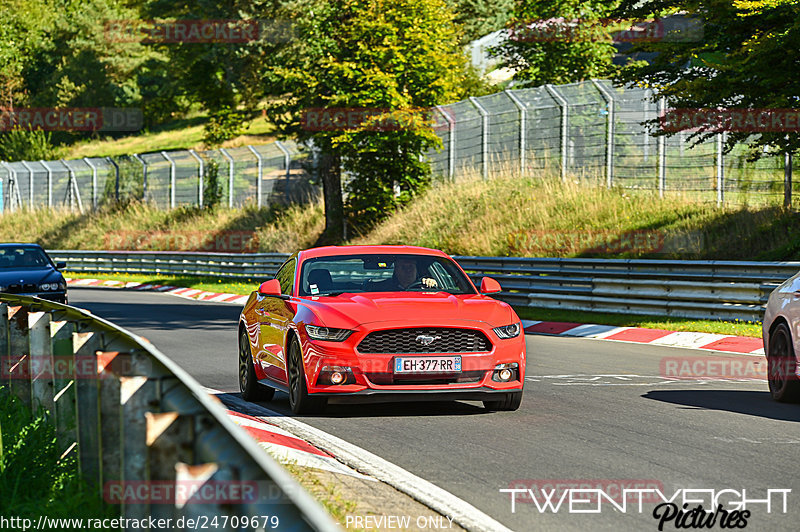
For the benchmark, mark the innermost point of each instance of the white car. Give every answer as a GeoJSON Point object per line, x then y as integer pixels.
{"type": "Point", "coordinates": [781, 334]}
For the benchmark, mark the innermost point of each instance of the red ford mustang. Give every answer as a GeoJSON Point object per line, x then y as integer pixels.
{"type": "Point", "coordinates": [379, 324]}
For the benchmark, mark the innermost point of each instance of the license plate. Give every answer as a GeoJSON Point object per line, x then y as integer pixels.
{"type": "Point", "coordinates": [427, 364]}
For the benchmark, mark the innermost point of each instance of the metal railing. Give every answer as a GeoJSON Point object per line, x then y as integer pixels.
{"type": "Point", "coordinates": [589, 129]}
{"type": "Point", "coordinates": [690, 289]}
{"type": "Point", "coordinates": [137, 421]}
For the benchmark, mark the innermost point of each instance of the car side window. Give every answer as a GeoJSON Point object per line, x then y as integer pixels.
{"type": "Point", "coordinates": [285, 276]}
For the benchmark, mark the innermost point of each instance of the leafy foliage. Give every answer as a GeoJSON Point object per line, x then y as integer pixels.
{"type": "Point", "coordinates": [747, 58]}
{"type": "Point", "coordinates": [224, 124]}
{"type": "Point", "coordinates": [480, 17]}
{"type": "Point", "coordinates": [212, 185]}
{"type": "Point", "coordinates": [579, 48]}
{"type": "Point", "coordinates": [23, 145]}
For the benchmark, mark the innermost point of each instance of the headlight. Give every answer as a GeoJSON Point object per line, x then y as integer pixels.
{"type": "Point", "coordinates": [508, 331]}
{"type": "Point", "coordinates": [327, 333]}
{"type": "Point", "coordinates": [46, 287]}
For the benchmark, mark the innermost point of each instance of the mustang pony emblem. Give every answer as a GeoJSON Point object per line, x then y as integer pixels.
{"type": "Point", "coordinates": [424, 339]}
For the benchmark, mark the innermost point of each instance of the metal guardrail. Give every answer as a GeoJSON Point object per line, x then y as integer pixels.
{"type": "Point", "coordinates": [690, 289]}
{"type": "Point", "coordinates": [138, 423]}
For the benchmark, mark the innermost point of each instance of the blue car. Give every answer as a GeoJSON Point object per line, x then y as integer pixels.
{"type": "Point", "coordinates": [26, 269]}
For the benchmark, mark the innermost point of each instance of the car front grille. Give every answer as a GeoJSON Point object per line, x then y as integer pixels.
{"type": "Point", "coordinates": [445, 340]}
{"type": "Point", "coordinates": [21, 288]}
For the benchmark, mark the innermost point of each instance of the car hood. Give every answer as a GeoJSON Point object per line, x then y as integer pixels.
{"type": "Point", "coordinates": [29, 275]}
{"type": "Point", "coordinates": [351, 310]}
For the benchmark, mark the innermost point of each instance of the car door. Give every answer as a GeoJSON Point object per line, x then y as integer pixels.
{"type": "Point", "coordinates": [274, 316]}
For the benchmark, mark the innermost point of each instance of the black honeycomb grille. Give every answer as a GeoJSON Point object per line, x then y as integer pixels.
{"type": "Point", "coordinates": [395, 341]}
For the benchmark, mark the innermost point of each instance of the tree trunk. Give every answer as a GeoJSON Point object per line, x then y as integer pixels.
{"type": "Point", "coordinates": [330, 174]}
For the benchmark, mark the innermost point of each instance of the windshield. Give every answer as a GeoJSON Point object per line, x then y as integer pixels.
{"type": "Point", "coordinates": [20, 258]}
{"type": "Point", "coordinates": [382, 273]}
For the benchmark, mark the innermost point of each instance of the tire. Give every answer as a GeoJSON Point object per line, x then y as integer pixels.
{"type": "Point", "coordinates": [299, 399]}
{"type": "Point", "coordinates": [510, 402]}
{"type": "Point", "coordinates": [781, 366]}
{"type": "Point", "coordinates": [251, 389]}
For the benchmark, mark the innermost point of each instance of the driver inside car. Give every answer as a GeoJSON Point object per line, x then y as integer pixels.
{"type": "Point", "coordinates": [404, 277]}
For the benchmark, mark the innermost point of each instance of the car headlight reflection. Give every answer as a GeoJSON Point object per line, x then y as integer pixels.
{"type": "Point", "coordinates": [508, 331]}
{"type": "Point", "coordinates": [327, 333]}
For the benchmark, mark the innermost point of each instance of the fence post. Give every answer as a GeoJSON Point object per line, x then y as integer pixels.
{"type": "Point", "coordinates": [562, 104]}
{"type": "Point", "coordinates": [171, 179]}
{"type": "Point", "coordinates": [287, 161]}
{"type": "Point", "coordinates": [200, 176]}
{"type": "Point", "coordinates": [720, 170]}
{"type": "Point", "coordinates": [609, 99]}
{"type": "Point", "coordinates": [484, 136]}
{"type": "Point", "coordinates": [662, 150]}
{"type": "Point", "coordinates": [144, 174]}
{"type": "Point", "coordinates": [451, 143]}
{"type": "Point", "coordinates": [260, 172]}
{"type": "Point", "coordinates": [227, 156]}
{"type": "Point", "coordinates": [116, 177]}
{"type": "Point", "coordinates": [787, 179]}
{"type": "Point", "coordinates": [72, 188]}
{"type": "Point", "coordinates": [12, 178]}
{"type": "Point", "coordinates": [91, 165]}
{"type": "Point", "coordinates": [523, 119]}
{"type": "Point", "coordinates": [30, 183]}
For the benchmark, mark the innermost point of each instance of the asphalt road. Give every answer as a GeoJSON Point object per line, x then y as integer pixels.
{"type": "Point", "coordinates": [595, 412]}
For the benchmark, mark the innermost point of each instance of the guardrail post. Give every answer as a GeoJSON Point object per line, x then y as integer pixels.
{"type": "Point", "coordinates": [200, 177]}
{"type": "Point", "coordinates": [260, 173]}
{"type": "Point", "coordinates": [91, 165]}
{"type": "Point", "coordinates": [170, 438]}
{"type": "Point", "coordinates": [30, 183]}
{"type": "Point", "coordinates": [523, 119]}
{"type": "Point", "coordinates": [451, 143]}
{"type": "Point", "coordinates": [287, 162]}
{"type": "Point", "coordinates": [41, 363]}
{"type": "Point", "coordinates": [484, 136]}
{"type": "Point", "coordinates": [5, 361]}
{"type": "Point", "coordinates": [661, 147]}
{"type": "Point", "coordinates": [609, 98]}
{"type": "Point", "coordinates": [137, 396]}
{"type": "Point", "coordinates": [227, 156]}
{"type": "Point", "coordinates": [64, 396]}
{"type": "Point", "coordinates": [144, 175]}
{"type": "Point", "coordinates": [85, 345]}
{"type": "Point", "coordinates": [172, 170]}
{"type": "Point", "coordinates": [19, 359]}
{"type": "Point", "coordinates": [564, 136]}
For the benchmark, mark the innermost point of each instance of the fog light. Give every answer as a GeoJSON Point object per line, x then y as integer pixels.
{"type": "Point", "coordinates": [337, 378]}
{"type": "Point", "coordinates": [505, 374]}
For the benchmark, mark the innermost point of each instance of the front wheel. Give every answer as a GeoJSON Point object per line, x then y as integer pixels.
{"type": "Point", "coordinates": [782, 366]}
{"type": "Point", "coordinates": [510, 402]}
{"type": "Point", "coordinates": [248, 383]}
{"type": "Point", "coordinates": [299, 399]}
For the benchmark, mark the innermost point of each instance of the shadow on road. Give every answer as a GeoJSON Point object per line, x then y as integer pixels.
{"type": "Point", "coordinates": [740, 401]}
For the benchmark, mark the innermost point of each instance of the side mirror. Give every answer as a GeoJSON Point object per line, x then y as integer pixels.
{"type": "Point", "coordinates": [61, 265]}
{"type": "Point", "coordinates": [270, 288]}
{"type": "Point", "coordinates": [489, 286]}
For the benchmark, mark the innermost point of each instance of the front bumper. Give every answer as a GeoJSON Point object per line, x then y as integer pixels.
{"type": "Point", "coordinates": [371, 378]}
{"type": "Point", "coordinates": [57, 297]}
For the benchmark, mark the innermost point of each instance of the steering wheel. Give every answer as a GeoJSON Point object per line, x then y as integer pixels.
{"type": "Point", "coordinates": [414, 285]}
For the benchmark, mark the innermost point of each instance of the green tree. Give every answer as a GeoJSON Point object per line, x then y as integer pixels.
{"type": "Point", "coordinates": [559, 41]}
{"type": "Point", "coordinates": [480, 17]}
{"type": "Point", "coordinates": [396, 58]}
{"type": "Point", "coordinates": [748, 57]}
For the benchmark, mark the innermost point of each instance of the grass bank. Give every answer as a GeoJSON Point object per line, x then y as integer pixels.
{"type": "Point", "coordinates": [499, 217]}
{"type": "Point", "coordinates": [34, 479]}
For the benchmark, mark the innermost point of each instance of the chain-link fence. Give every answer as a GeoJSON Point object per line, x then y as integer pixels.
{"type": "Point", "coordinates": [595, 130]}
{"type": "Point", "coordinates": [258, 175]}
{"type": "Point", "coordinates": [588, 130]}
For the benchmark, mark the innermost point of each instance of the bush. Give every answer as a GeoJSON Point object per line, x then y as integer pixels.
{"type": "Point", "coordinates": [224, 124]}
{"type": "Point", "coordinates": [26, 145]}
